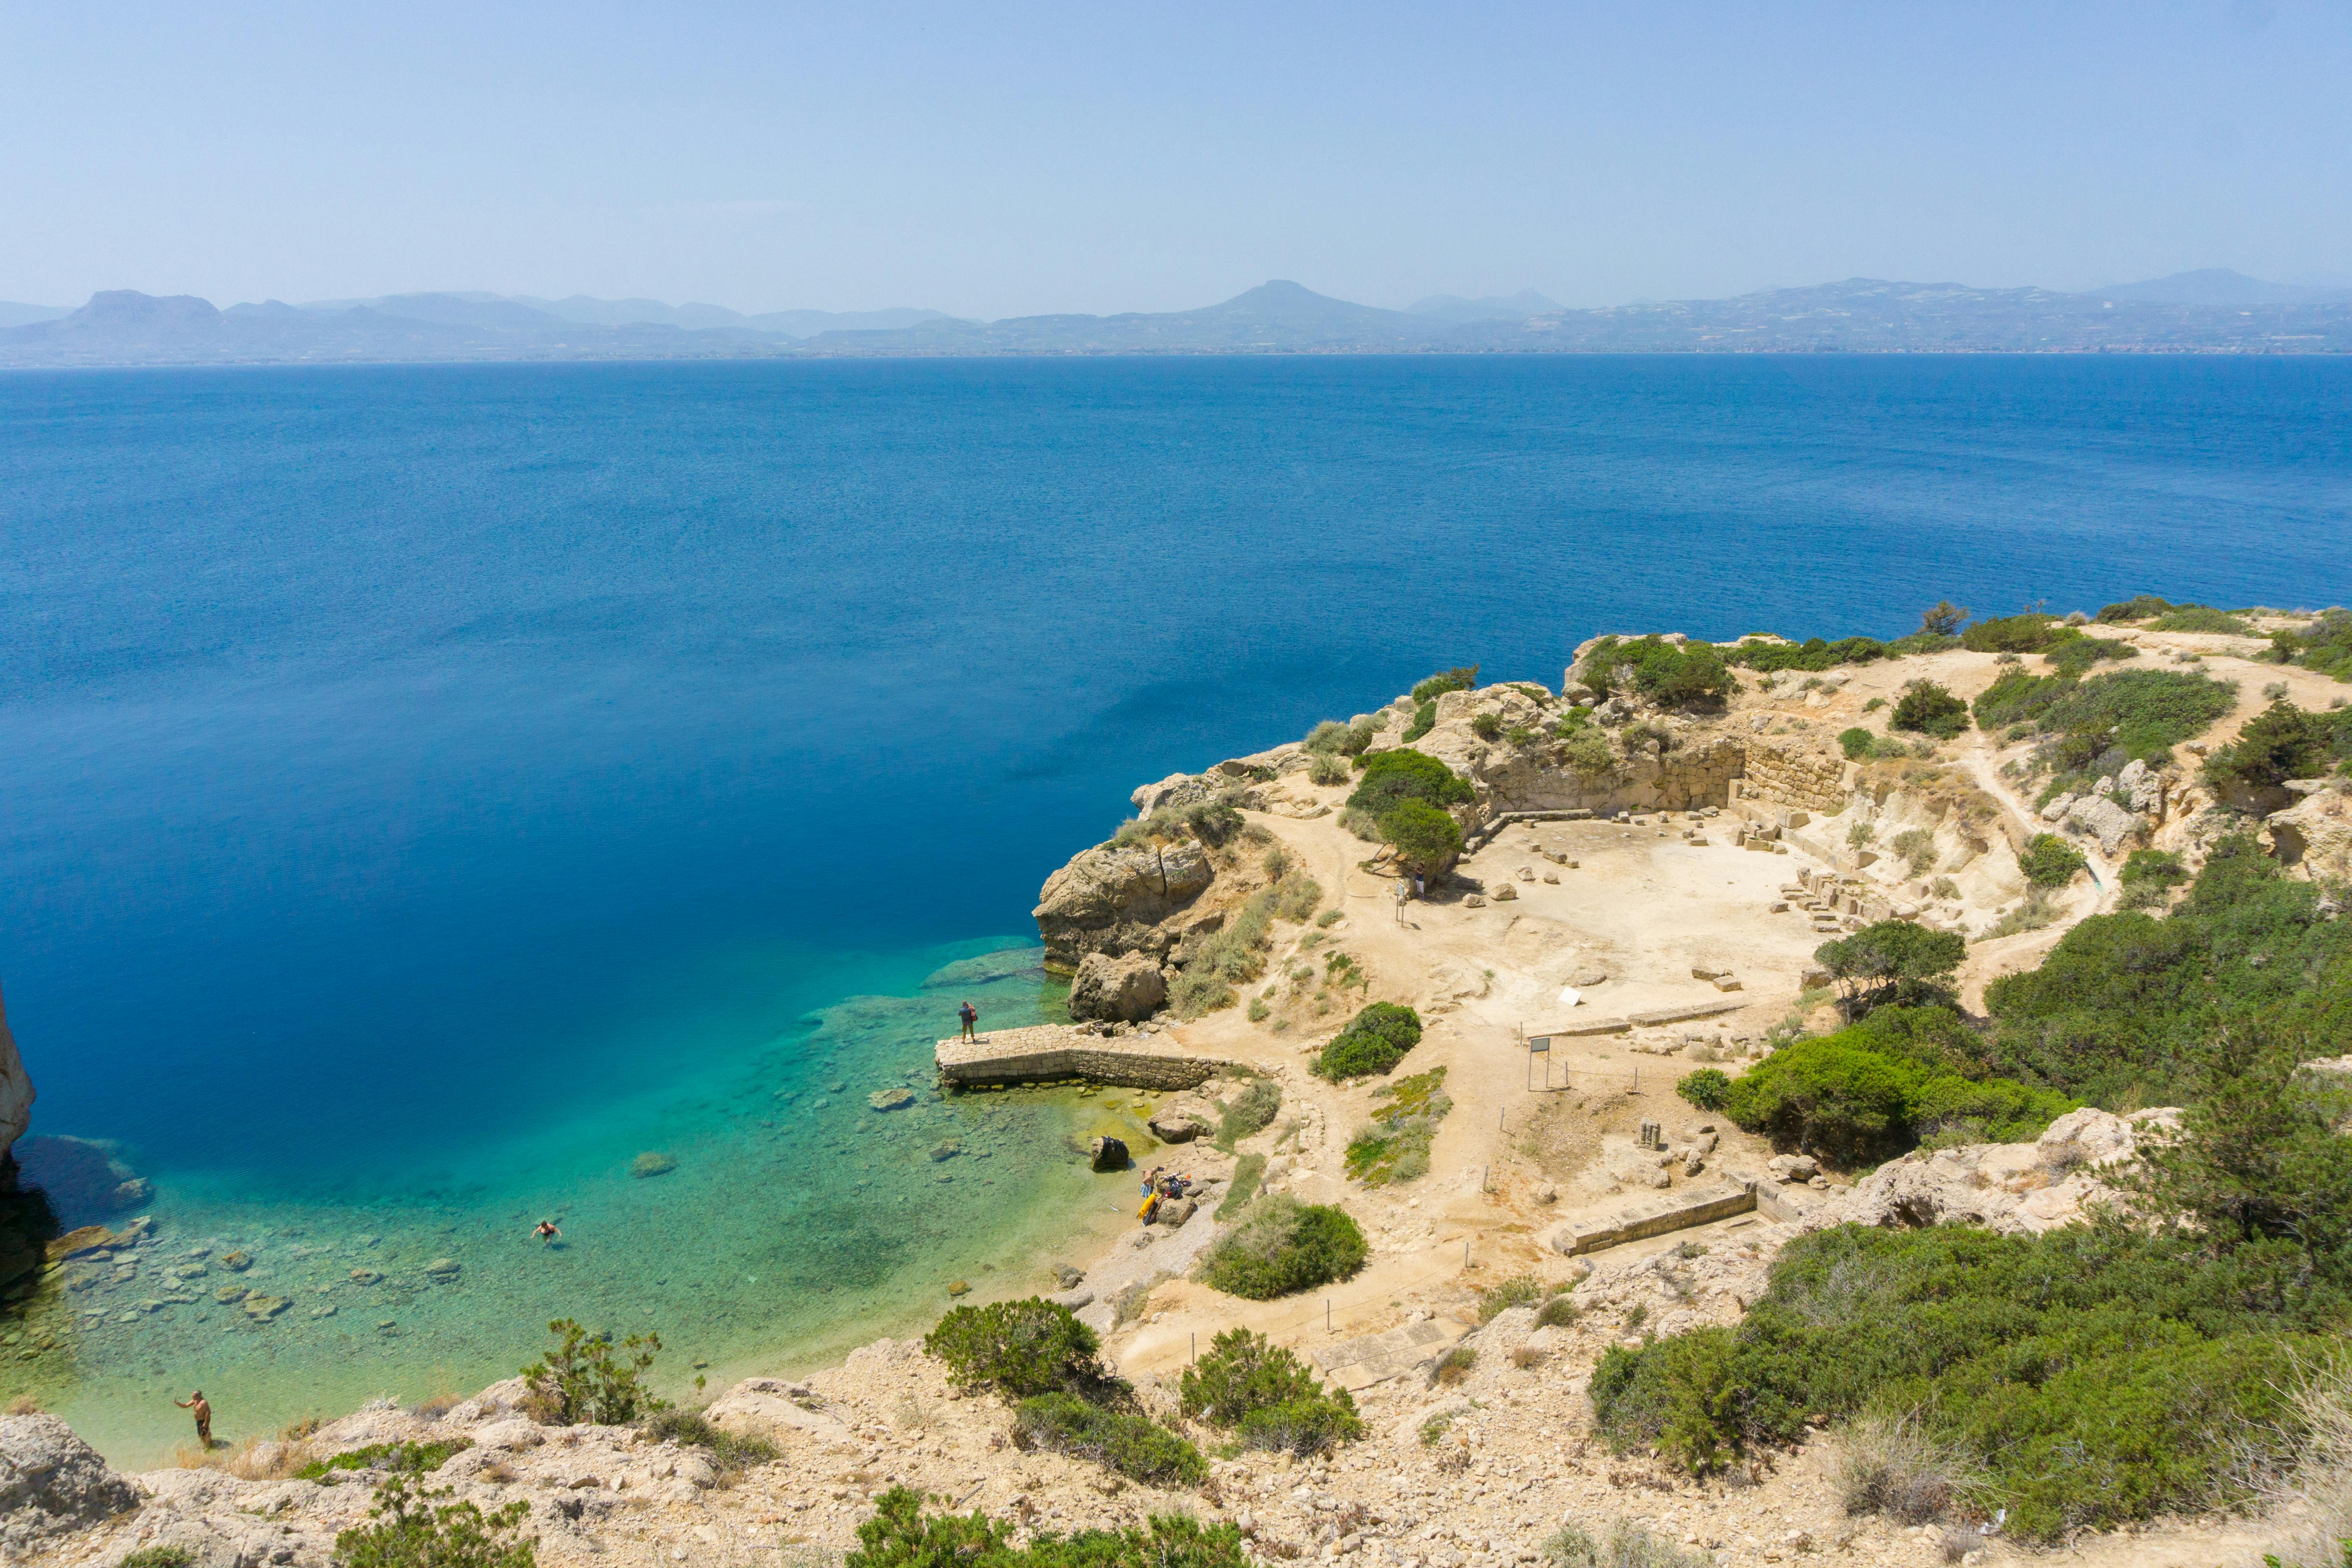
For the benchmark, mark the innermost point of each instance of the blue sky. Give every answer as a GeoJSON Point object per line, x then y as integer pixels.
{"type": "Point", "coordinates": [1013, 159]}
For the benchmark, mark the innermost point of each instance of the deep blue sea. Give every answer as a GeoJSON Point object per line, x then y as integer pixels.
{"type": "Point", "coordinates": [422, 790]}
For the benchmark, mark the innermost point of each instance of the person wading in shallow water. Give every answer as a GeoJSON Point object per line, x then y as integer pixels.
{"type": "Point", "coordinates": [546, 1230]}
{"type": "Point", "coordinates": [199, 1407]}
{"type": "Point", "coordinates": [971, 1016]}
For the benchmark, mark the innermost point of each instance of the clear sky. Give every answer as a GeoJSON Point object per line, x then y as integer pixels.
{"type": "Point", "coordinates": [1000, 160]}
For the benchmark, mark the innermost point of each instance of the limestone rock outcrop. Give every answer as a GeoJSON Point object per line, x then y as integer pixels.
{"type": "Point", "coordinates": [1131, 988]}
{"type": "Point", "coordinates": [1112, 900]}
{"type": "Point", "coordinates": [2314, 837]}
{"type": "Point", "coordinates": [2013, 1188]}
{"type": "Point", "coordinates": [52, 1482]}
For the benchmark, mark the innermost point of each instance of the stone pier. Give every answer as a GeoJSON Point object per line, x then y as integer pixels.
{"type": "Point", "coordinates": [1049, 1053]}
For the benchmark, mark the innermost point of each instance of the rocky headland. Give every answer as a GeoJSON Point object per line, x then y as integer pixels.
{"type": "Point", "coordinates": [1650, 883]}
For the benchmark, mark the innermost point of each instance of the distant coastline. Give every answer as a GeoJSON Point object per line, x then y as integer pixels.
{"type": "Point", "coordinates": [123, 329]}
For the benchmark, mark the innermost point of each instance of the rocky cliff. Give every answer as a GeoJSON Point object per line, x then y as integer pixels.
{"type": "Point", "coordinates": [15, 1099]}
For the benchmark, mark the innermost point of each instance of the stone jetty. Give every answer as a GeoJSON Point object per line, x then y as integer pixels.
{"type": "Point", "coordinates": [1048, 1053]}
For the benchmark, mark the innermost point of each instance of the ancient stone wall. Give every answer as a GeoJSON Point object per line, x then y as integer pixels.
{"type": "Point", "coordinates": [1804, 780]}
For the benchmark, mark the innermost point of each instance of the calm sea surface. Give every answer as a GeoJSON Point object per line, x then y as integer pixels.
{"type": "Point", "coordinates": [423, 791]}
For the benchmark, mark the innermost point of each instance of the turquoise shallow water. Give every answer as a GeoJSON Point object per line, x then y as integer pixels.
{"type": "Point", "coordinates": [422, 790]}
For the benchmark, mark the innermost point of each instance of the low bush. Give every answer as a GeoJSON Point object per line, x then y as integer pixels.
{"type": "Point", "coordinates": [1424, 720]}
{"type": "Point", "coordinates": [1519, 1290]}
{"type": "Point", "coordinates": [2093, 1375]}
{"type": "Point", "coordinates": [1557, 1313]}
{"type": "Point", "coordinates": [587, 1379]}
{"type": "Point", "coordinates": [1487, 727]}
{"type": "Point", "coordinates": [1855, 743]}
{"type": "Point", "coordinates": [900, 1535]}
{"type": "Point", "coordinates": [2324, 644]}
{"type": "Point", "coordinates": [1897, 1467]}
{"type": "Point", "coordinates": [730, 1451]}
{"type": "Point", "coordinates": [412, 1458]}
{"type": "Point", "coordinates": [1327, 737]}
{"type": "Point", "coordinates": [2030, 632]}
{"type": "Point", "coordinates": [1210, 821]}
{"type": "Point", "coordinates": [1926, 709]}
{"type": "Point", "coordinates": [1374, 1041]}
{"type": "Point", "coordinates": [158, 1557]}
{"type": "Point", "coordinates": [1630, 1544]}
{"type": "Point", "coordinates": [1813, 654]}
{"type": "Point", "coordinates": [1916, 845]}
{"type": "Point", "coordinates": [409, 1530]}
{"type": "Point", "coordinates": [1453, 1367]}
{"type": "Point", "coordinates": [2153, 868]}
{"type": "Point", "coordinates": [2049, 861]}
{"type": "Point", "coordinates": [2200, 618]}
{"type": "Point", "coordinates": [1692, 675]}
{"type": "Point", "coordinates": [2140, 607]}
{"type": "Point", "coordinates": [1588, 752]}
{"type": "Point", "coordinates": [1250, 1111]}
{"type": "Point", "coordinates": [1018, 1348]}
{"type": "Point", "coordinates": [1943, 619]}
{"type": "Point", "coordinates": [1326, 768]}
{"type": "Point", "coordinates": [1196, 992]}
{"type": "Point", "coordinates": [1464, 678]}
{"type": "Point", "coordinates": [2279, 743]}
{"type": "Point", "coordinates": [2141, 712]}
{"type": "Point", "coordinates": [1282, 1245]}
{"type": "Point", "coordinates": [2075, 653]}
{"type": "Point", "coordinates": [1268, 1397]}
{"type": "Point", "coordinates": [1394, 1145]}
{"type": "Point", "coordinates": [1134, 1446]}
{"type": "Point", "coordinates": [1704, 1089]}
{"type": "Point", "coordinates": [1403, 774]}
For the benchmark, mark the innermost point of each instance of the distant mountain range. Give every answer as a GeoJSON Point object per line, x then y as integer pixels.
{"type": "Point", "coordinates": [2194, 313]}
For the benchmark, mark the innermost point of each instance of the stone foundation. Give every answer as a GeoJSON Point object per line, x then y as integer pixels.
{"type": "Point", "coordinates": [1050, 1053]}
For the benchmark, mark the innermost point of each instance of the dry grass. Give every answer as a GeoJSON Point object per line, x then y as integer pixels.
{"type": "Point", "coordinates": [1893, 1466]}
{"type": "Point", "coordinates": [2312, 1510]}
{"type": "Point", "coordinates": [258, 1458]}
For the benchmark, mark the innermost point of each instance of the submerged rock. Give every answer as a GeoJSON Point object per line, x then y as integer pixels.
{"type": "Point", "coordinates": [650, 1164]}
{"type": "Point", "coordinates": [894, 1098]}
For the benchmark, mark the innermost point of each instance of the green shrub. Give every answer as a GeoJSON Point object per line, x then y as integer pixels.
{"type": "Point", "coordinates": [2139, 607]}
{"type": "Point", "coordinates": [900, 1535]}
{"type": "Point", "coordinates": [1557, 1313]}
{"type": "Point", "coordinates": [1855, 743]}
{"type": "Point", "coordinates": [1464, 678]}
{"type": "Point", "coordinates": [730, 1451]}
{"type": "Point", "coordinates": [1325, 768]}
{"type": "Point", "coordinates": [2050, 861]}
{"type": "Point", "coordinates": [1813, 654]}
{"type": "Point", "coordinates": [1630, 1544]}
{"type": "Point", "coordinates": [1917, 848]}
{"type": "Point", "coordinates": [1403, 774]}
{"type": "Point", "coordinates": [1134, 1446]}
{"type": "Point", "coordinates": [1250, 1111]}
{"type": "Point", "coordinates": [2095, 1374]}
{"type": "Point", "coordinates": [1424, 720]}
{"type": "Point", "coordinates": [2279, 743]}
{"type": "Point", "coordinates": [1327, 737]}
{"type": "Point", "coordinates": [1671, 676]}
{"type": "Point", "coordinates": [1589, 753]}
{"type": "Point", "coordinates": [1018, 1348]}
{"type": "Point", "coordinates": [1871, 1093]}
{"type": "Point", "coordinates": [414, 1458]}
{"type": "Point", "coordinates": [2154, 867]}
{"type": "Point", "coordinates": [1268, 1397]}
{"type": "Point", "coordinates": [1487, 727]}
{"type": "Point", "coordinates": [1210, 821]}
{"type": "Point", "coordinates": [1705, 1087]}
{"type": "Point", "coordinates": [1942, 619]}
{"type": "Point", "coordinates": [2140, 712]}
{"type": "Point", "coordinates": [2074, 653]}
{"type": "Point", "coordinates": [587, 1379]}
{"type": "Point", "coordinates": [1295, 897]}
{"type": "Point", "coordinates": [410, 1531]}
{"type": "Point", "coordinates": [1198, 992]}
{"type": "Point", "coordinates": [2200, 618]}
{"type": "Point", "coordinates": [1891, 963]}
{"type": "Point", "coordinates": [1425, 838]}
{"type": "Point", "coordinates": [1926, 709]}
{"type": "Point", "coordinates": [1394, 1145]}
{"type": "Point", "coordinates": [1519, 1290]}
{"type": "Point", "coordinates": [1453, 1366]}
{"type": "Point", "coordinates": [1282, 1245]}
{"type": "Point", "coordinates": [158, 1557]}
{"type": "Point", "coordinates": [2325, 645]}
{"type": "Point", "coordinates": [2028, 633]}
{"type": "Point", "coordinates": [1374, 1040]}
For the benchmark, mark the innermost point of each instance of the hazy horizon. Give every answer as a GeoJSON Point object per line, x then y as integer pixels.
{"type": "Point", "coordinates": [1051, 159]}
